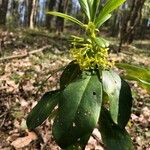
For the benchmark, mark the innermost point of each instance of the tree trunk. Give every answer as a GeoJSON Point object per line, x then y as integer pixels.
{"type": "Point", "coordinates": [51, 4]}
{"type": "Point", "coordinates": [70, 7]}
{"type": "Point", "coordinates": [3, 11]}
{"type": "Point", "coordinates": [62, 7]}
{"type": "Point", "coordinates": [130, 21]}
{"type": "Point", "coordinates": [29, 5]}
{"type": "Point", "coordinates": [15, 14]}
{"type": "Point", "coordinates": [114, 24]}
{"type": "Point", "coordinates": [26, 5]}
{"type": "Point", "coordinates": [12, 15]}
{"type": "Point", "coordinates": [32, 11]}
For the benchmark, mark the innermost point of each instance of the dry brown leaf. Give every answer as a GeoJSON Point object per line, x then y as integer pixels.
{"type": "Point", "coordinates": [24, 141]}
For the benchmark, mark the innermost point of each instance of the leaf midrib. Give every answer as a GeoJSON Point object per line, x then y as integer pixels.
{"type": "Point", "coordinates": [81, 97]}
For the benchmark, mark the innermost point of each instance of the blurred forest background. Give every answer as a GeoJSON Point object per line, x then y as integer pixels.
{"type": "Point", "coordinates": [130, 20]}
{"type": "Point", "coordinates": [33, 49]}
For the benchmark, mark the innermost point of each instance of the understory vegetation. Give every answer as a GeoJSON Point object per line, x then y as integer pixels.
{"type": "Point", "coordinates": [74, 75]}
{"type": "Point", "coordinates": [22, 77]}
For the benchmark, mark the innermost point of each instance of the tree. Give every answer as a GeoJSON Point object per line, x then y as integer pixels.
{"type": "Point", "coordinates": [3, 11]}
{"type": "Point", "coordinates": [13, 14]}
{"type": "Point", "coordinates": [130, 21]}
{"type": "Point", "coordinates": [62, 7]}
{"type": "Point", "coordinates": [31, 13]}
{"type": "Point", "coordinates": [51, 4]}
{"type": "Point", "coordinates": [25, 21]}
{"type": "Point", "coordinates": [114, 23]}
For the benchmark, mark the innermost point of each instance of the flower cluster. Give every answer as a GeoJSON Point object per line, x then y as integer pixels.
{"type": "Point", "coordinates": [90, 56]}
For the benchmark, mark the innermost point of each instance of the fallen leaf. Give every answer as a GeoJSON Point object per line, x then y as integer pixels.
{"type": "Point", "coordinates": [24, 141]}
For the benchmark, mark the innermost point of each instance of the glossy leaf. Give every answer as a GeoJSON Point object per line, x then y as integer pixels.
{"type": "Point", "coordinates": [95, 5]}
{"type": "Point", "coordinates": [69, 74]}
{"type": "Point", "coordinates": [65, 16]}
{"type": "Point", "coordinates": [43, 109]}
{"type": "Point", "coordinates": [119, 95]}
{"type": "Point", "coordinates": [79, 110]}
{"type": "Point", "coordinates": [80, 145]}
{"type": "Point", "coordinates": [101, 42]}
{"type": "Point", "coordinates": [103, 19]}
{"type": "Point", "coordinates": [85, 6]}
{"type": "Point", "coordinates": [90, 7]}
{"type": "Point", "coordinates": [107, 9]}
{"type": "Point", "coordinates": [139, 74]}
{"type": "Point", "coordinates": [125, 104]}
{"type": "Point", "coordinates": [113, 136]}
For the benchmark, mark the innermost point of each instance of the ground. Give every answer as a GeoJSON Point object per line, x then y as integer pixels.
{"type": "Point", "coordinates": [25, 77]}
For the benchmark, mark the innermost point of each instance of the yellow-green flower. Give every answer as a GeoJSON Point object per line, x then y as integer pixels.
{"type": "Point", "coordinates": [90, 56]}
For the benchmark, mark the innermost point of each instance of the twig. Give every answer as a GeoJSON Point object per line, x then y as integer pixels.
{"type": "Point", "coordinates": [45, 144]}
{"type": "Point", "coordinates": [98, 140]}
{"type": "Point", "coordinates": [5, 115]}
{"type": "Point", "coordinates": [26, 54]}
{"type": "Point", "coordinates": [3, 88]}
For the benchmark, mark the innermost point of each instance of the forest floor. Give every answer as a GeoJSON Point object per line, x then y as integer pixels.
{"type": "Point", "coordinates": [27, 59]}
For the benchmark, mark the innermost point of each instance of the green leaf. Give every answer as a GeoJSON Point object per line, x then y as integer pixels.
{"type": "Point", "coordinates": [79, 110]}
{"type": "Point", "coordinates": [125, 104]}
{"type": "Point", "coordinates": [112, 85]}
{"type": "Point", "coordinates": [101, 42]}
{"type": "Point", "coordinates": [113, 136]}
{"type": "Point", "coordinates": [43, 109]}
{"type": "Point", "coordinates": [95, 6]}
{"type": "Point", "coordinates": [139, 74]}
{"type": "Point", "coordinates": [80, 145]}
{"type": "Point", "coordinates": [103, 20]}
{"type": "Point", "coordinates": [65, 16]}
{"type": "Point", "coordinates": [85, 7]}
{"type": "Point", "coordinates": [69, 74]}
{"type": "Point", "coordinates": [107, 9]}
{"type": "Point", "coordinates": [120, 97]}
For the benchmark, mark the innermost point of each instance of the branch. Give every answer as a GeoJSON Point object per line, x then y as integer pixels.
{"type": "Point", "coordinates": [98, 140]}
{"type": "Point", "coordinates": [26, 54]}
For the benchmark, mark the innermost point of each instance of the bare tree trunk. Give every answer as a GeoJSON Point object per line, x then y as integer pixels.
{"type": "Point", "coordinates": [130, 21]}
{"type": "Point", "coordinates": [26, 5]}
{"type": "Point", "coordinates": [62, 7]}
{"type": "Point", "coordinates": [51, 4]}
{"type": "Point", "coordinates": [69, 7]}
{"type": "Point", "coordinates": [29, 9]}
{"type": "Point", "coordinates": [3, 11]}
{"type": "Point", "coordinates": [114, 24]}
{"type": "Point", "coordinates": [15, 13]}
{"type": "Point", "coordinates": [32, 14]}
